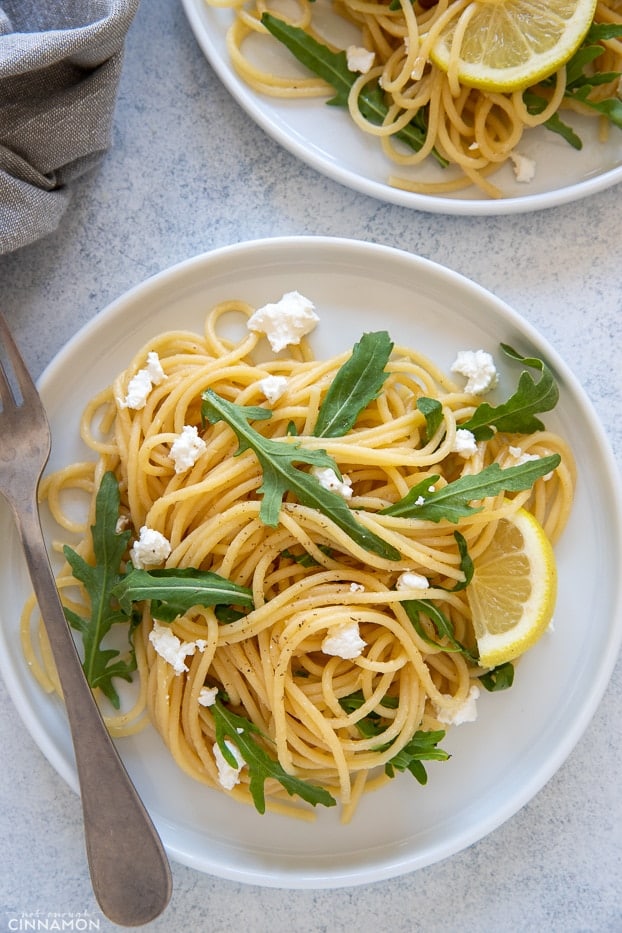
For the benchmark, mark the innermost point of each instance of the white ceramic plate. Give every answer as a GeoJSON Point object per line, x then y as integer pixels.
{"type": "Point", "coordinates": [521, 736]}
{"type": "Point", "coordinates": [326, 139]}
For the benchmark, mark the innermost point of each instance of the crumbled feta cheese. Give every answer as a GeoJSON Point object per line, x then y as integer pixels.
{"type": "Point", "coordinates": [420, 499]}
{"type": "Point", "coordinates": [359, 59]}
{"type": "Point", "coordinates": [479, 369]}
{"type": "Point", "coordinates": [344, 641]}
{"type": "Point", "coordinates": [520, 456]}
{"type": "Point", "coordinates": [285, 321]}
{"type": "Point", "coordinates": [412, 581]}
{"type": "Point", "coordinates": [524, 168]}
{"type": "Point", "coordinates": [141, 384]}
{"type": "Point", "coordinates": [170, 647]}
{"type": "Point", "coordinates": [151, 549]}
{"type": "Point", "coordinates": [327, 478]}
{"type": "Point", "coordinates": [187, 448]}
{"type": "Point", "coordinates": [465, 443]}
{"type": "Point", "coordinates": [466, 712]}
{"type": "Point", "coordinates": [207, 696]}
{"type": "Point", "coordinates": [273, 387]}
{"type": "Point", "coordinates": [227, 774]}
{"type": "Point", "coordinates": [357, 588]}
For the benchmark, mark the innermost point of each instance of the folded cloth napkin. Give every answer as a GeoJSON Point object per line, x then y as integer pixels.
{"type": "Point", "coordinates": [60, 64]}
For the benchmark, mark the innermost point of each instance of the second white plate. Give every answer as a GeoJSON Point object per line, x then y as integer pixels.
{"type": "Point", "coordinates": [325, 138]}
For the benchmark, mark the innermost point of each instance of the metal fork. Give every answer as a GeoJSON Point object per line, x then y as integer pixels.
{"type": "Point", "coordinates": [129, 870]}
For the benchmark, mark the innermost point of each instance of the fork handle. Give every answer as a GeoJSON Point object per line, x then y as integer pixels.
{"type": "Point", "coordinates": [129, 869]}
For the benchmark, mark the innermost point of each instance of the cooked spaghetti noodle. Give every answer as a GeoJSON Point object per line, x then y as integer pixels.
{"type": "Point", "coordinates": [474, 131]}
{"type": "Point", "coordinates": [307, 576]}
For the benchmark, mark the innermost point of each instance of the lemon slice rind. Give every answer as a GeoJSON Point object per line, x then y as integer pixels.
{"type": "Point", "coordinates": [500, 636]}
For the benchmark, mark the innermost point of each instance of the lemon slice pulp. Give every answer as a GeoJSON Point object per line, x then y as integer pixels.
{"type": "Point", "coordinates": [507, 45]}
{"type": "Point", "coordinates": [513, 590]}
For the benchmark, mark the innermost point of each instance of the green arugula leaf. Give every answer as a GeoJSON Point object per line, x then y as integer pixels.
{"type": "Point", "coordinates": [102, 665]}
{"type": "Point", "coordinates": [580, 79]}
{"type": "Point", "coordinates": [416, 607]}
{"type": "Point", "coordinates": [241, 732]}
{"type": "Point", "coordinates": [432, 410]}
{"type": "Point", "coordinates": [372, 724]}
{"type": "Point", "coordinates": [452, 501]}
{"type": "Point", "coordinates": [499, 678]}
{"type": "Point", "coordinates": [536, 104]}
{"type": "Point", "coordinates": [355, 385]}
{"type": "Point", "coordinates": [422, 747]}
{"type": "Point", "coordinates": [610, 107]}
{"type": "Point", "coordinates": [517, 415]}
{"type": "Point", "coordinates": [277, 459]}
{"type": "Point", "coordinates": [173, 591]}
{"type": "Point", "coordinates": [466, 564]}
{"type": "Point", "coordinates": [332, 67]}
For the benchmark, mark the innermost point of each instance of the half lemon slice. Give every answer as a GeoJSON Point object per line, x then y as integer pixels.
{"type": "Point", "coordinates": [513, 590]}
{"type": "Point", "coordinates": [507, 45]}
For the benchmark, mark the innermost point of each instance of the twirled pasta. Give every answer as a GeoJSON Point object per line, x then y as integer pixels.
{"type": "Point", "coordinates": [307, 576]}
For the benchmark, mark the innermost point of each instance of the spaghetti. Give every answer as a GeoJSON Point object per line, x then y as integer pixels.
{"type": "Point", "coordinates": [329, 644]}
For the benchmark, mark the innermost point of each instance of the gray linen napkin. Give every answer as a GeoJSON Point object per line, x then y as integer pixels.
{"type": "Point", "coordinates": [60, 63]}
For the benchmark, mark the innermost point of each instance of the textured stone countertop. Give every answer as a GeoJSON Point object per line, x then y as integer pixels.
{"type": "Point", "coordinates": [190, 171]}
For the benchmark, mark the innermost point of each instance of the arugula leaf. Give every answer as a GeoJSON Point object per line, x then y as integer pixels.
{"type": "Point", "coordinates": [499, 678]}
{"type": "Point", "coordinates": [466, 564]}
{"type": "Point", "coordinates": [452, 501]}
{"type": "Point", "coordinates": [517, 415]}
{"type": "Point", "coordinates": [173, 591]}
{"type": "Point", "coordinates": [580, 82]}
{"type": "Point", "coordinates": [333, 68]}
{"type": "Point", "coordinates": [536, 104]}
{"type": "Point", "coordinates": [416, 607]}
{"type": "Point", "coordinates": [277, 459]}
{"type": "Point", "coordinates": [432, 410]}
{"type": "Point", "coordinates": [355, 385]}
{"type": "Point", "coordinates": [101, 665]}
{"type": "Point", "coordinates": [372, 724]}
{"type": "Point", "coordinates": [422, 747]}
{"type": "Point", "coordinates": [241, 732]}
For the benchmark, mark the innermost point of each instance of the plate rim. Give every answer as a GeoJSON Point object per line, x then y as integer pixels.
{"type": "Point", "coordinates": [389, 868]}
{"type": "Point", "coordinates": [476, 207]}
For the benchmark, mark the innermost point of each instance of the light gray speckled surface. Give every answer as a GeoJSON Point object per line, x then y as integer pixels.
{"type": "Point", "coordinates": [190, 171]}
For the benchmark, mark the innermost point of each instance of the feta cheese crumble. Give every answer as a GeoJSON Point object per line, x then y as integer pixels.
{"type": "Point", "coordinates": [359, 59]}
{"type": "Point", "coordinates": [524, 168]}
{"type": "Point", "coordinates": [465, 443]}
{"type": "Point", "coordinates": [329, 480]}
{"type": "Point", "coordinates": [479, 369]}
{"type": "Point", "coordinates": [521, 456]}
{"type": "Point", "coordinates": [151, 549]}
{"type": "Point", "coordinates": [187, 448]}
{"type": "Point", "coordinates": [285, 321]}
{"type": "Point", "coordinates": [207, 696]}
{"type": "Point", "coordinates": [227, 774]}
{"type": "Point", "coordinates": [409, 580]}
{"type": "Point", "coordinates": [466, 712]}
{"type": "Point", "coordinates": [344, 641]}
{"type": "Point", "coordinates": [171, 648]}
{"type": "Point", "coordinates": [273, 387]}
{"type": "Point", "coordinates": [141, 384]}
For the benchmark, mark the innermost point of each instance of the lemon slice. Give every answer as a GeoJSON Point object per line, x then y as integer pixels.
{"type": "Point", "coordinates": [513, 590]}
{"type": "Point", "coordinates": [507, 45]}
